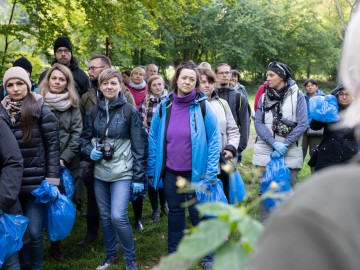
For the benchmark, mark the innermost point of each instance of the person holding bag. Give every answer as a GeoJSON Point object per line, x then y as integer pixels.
{"type": "Point", "coordinates": [58, 91]}
{"type": "Point", "coordinates": [36, 130]}
{"type": "Point", "coordinates": [11, 171]}
{"type": "Point", "coordinates": [184, 141]}
{"type": "Point", "coordinates": [339, 144]}
{"type": "Point", "coordinates": [230, 136]}
{"type": "Point", "coordinates": [116, 142]}
{"type": "Point", "coordinates": [280, 121]}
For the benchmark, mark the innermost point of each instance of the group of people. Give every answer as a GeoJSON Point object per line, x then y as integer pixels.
{"type": "Point", "coordinates": [120, 134]}
{"type": "Point", "coordinates": [125, 134]}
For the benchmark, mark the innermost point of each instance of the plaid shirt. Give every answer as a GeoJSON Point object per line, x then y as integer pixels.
{"type": "Point", "coordinates": [153, 103]}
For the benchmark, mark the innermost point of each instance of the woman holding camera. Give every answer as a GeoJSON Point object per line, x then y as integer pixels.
{"type": "Point", "coordinates": [280, 121]}
{"type": "Point", "coordinates": [114, 138]}
{"type": "Point", "coordinates": [58, 91]}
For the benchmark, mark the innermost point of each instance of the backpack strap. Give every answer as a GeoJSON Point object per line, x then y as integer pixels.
{"type": "Point", "coordinates": [203, 108]}
{"type": "Point", "coordinates": [238, 102]}
{"type": "Point", "coordinates": [169, 104]}
{"type": "Point", "coordinates": [222, 105]}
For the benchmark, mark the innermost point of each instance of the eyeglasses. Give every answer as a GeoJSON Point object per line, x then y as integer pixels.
{"type": "Point", "coordinates": [93, 68]}
{"type": "Point", "coordinates": [344, 95]}
{"type": "Point", "coordinates": [277, 64]}
{"type": "Point", "coordinates": [224, 73]}
{"type": "Point", "coordinates": [60, 51]}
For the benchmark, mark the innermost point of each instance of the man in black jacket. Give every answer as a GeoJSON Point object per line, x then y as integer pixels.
{"type": "Point", "coordinates": [63, 55]}
{"type": "Point", "coordinates": [238, 103]}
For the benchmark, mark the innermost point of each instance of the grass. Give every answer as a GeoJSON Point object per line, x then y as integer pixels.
{"type": "Point", "coordinates": [150, 244]}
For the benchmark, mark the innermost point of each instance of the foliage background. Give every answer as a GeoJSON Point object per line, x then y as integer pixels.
{"type": "Point", "coordinates": [306, 34]}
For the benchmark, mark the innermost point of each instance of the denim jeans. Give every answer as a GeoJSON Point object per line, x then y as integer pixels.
{"type": "Point", "coordinates": [113, 200]}
{"type": "Point", "coordinates": [12, 263]}
{"type": "Point", "coordinates": [31, 255]}
{"type": "Point", "coordinates": [176, 217]}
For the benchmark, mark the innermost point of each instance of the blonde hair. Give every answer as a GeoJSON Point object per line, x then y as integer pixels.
{"type": "Point", "coordinates": [44, 86]}
{"type": "Point", "coordinates": [349, 72]}
{"type": "Point", "coordinates": [138, 69]}
{"type": "Point", "coordinates": [108, 74]}
{"type": "Point", "coordinates": [148, 93]}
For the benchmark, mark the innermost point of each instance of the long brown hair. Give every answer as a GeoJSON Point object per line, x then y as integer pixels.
{"type": "Point", "coordinates": [29, 108]}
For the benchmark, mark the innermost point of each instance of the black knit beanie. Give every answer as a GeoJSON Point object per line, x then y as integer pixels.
{"type": "Point", "coordinates": [62, 42]}
{"type": "Point", "coordinates": [24, 63]}
{"type": "Point", "coordinates": [282, 70]}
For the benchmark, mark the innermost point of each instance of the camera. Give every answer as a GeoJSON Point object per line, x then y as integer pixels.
{"type": "Point", "coordinates": [107, 148]}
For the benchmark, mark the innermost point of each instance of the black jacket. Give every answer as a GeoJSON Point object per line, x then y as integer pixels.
{"type": "Point", "coordinates": [11, 170]}
{"type": "Point", "coordinates": [119, 128]}
{"type": "Point", "coordinates": [42, 154]}
{"type": "Point", "coordinates": [337, 146]}
{"type": "Point", "coordinates": [81, 80]}
{"type": "Point", "coordinates": [240, 110]}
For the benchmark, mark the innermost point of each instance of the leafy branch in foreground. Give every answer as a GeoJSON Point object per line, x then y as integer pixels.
{"type": "Point", "coordinates": [230, 232]}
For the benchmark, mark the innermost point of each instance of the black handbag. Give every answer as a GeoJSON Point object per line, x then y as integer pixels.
{"type": "Point", "coordinates": [313, 157]}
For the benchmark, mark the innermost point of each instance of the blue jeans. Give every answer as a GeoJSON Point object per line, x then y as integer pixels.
{"type": "Point", "coordinates": [12, 263]}
{"type": "Point", "coordinates": [176, 217]}
{"type": "Point", "coordinates": [113, 200]}
{"type": "Point", "coordinates": [31, 255]}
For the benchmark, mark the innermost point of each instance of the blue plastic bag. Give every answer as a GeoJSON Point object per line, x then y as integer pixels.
{"type": "Point", "coordinates": [59, 218]}
{"type": "Point", "coordinates": [324, 109]}
{"type": "Point", "coordinates": [237, 191]}
{"type": "Point", "coordinates": [67, 181]}
{"type": "Point", "coordinates": [276, 171]}
{"type": "Point", "coordinates": [12, 229]}
{"type": "Point", "coordinates": [45, 193]}
{"type": "Point", "coordinates": [207, 191]}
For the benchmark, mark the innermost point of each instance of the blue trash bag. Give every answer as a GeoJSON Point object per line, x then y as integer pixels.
{"type": "Point", "coordinates": [12, 229]}
{"type": "Point", "coordinates": [210, 191]}
{"type": "Point", "coordinates": [59, 218]}
{"type": "Point", "coordinates": [324, 109]}
{"type": "Point", "coordinates": [67, 181]}
{"type": "Point", "coordinates": [237, 191]}
{"type": "Point", "coordinates": [276, 171]}
{"type": "Point", "coordinates": [45, 193]}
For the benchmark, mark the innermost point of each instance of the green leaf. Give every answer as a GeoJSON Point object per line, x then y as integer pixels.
{"type": "Point", "coordinates": [175, 262]}
{"type": "Point", "coordinates": [250, 230]}
{"type": "Point", "coordinates": [206, 237]}
{"type": "Point", "coordinates": [231, 257]}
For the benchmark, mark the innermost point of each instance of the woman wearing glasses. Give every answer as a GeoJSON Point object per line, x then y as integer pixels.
{"type": "Point", "coordinates": [338, 145]}
{"type": "Point", "coordinates": [280, 121]}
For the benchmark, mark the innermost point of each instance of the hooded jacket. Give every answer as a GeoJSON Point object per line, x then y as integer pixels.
{"type": "Point", "coordinates": [205, 141]}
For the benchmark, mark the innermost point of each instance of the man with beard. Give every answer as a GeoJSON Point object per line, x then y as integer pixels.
{"type": "Point", "coordinates": [63, 55]}
{"type": "Point", "coordinates": [238, 104]}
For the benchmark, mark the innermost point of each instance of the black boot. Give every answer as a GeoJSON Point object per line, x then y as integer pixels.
{"type": "Point", "coordinates": [92, 231]}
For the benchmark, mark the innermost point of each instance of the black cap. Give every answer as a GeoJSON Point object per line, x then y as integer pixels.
{"type": "Point", "coordinates": [337, 89]}
{"type": "Point", "coordinates": [24, 63]}
{"type": "Point", "coordinates": [62, 42]}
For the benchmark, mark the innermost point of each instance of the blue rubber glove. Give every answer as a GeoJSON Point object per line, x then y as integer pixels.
{"type": "Point", "coordinates": [275, 154]}
{"type": "Point", "coordinates": [137, 188]}
{"type": "Point", "coordinates": [96, 155]}
{"type": "Point", "coordinates": [280, 147]}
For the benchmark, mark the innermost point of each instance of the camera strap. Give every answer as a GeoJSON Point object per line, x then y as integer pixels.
{"type": "Point", "coordinates": [108, 124]}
